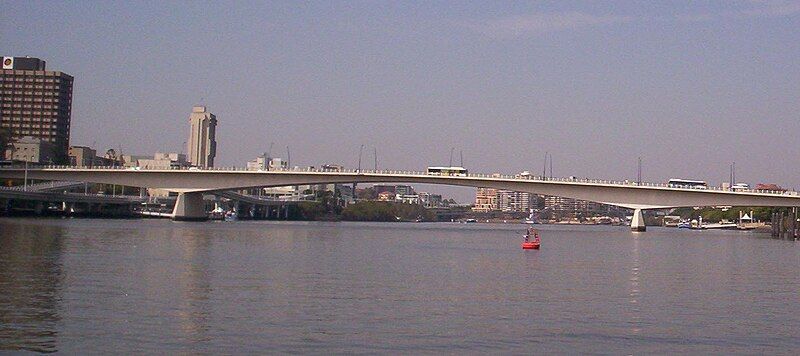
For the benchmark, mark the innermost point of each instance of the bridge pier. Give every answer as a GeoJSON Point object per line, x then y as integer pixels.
{"type": "Point", "coordinates": [190, 207]}
{"type": "Point", "coordinates": [637, 221]}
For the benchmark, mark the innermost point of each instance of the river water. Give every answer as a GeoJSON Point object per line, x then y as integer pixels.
{"type": "Point", "coordinates": [156, 286]}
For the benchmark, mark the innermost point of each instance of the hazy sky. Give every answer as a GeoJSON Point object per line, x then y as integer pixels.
{"type": "Point", "coordinates": [688, 86]}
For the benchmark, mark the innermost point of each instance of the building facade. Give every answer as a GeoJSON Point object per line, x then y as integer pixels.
{"type": "Point", "coordinates": [36, 102]}
{"type": "Point", "coordinates": [32, 149]}
{"type": "Point", "coordinates": [570, 206]}
{"type": "Point", "coordinates": [485, 200]}
{"type": "Point", "coordinates": [511, 201]}
{"type": "Point", "coordinates": [202, 144]}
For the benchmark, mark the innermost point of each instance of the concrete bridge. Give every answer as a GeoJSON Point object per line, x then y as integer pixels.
{"type": "Point", "coordinates": [191, 183]}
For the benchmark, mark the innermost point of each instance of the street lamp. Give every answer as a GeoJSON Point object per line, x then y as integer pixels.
{"type": "Point", "coordinates": [25, 184]}
{"type": "Point", "coordinates": [360, 151]}
{"type": "Point", "coordinates": [451, 155]}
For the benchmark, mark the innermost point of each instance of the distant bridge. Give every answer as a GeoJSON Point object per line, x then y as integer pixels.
{"type": "Point", "coordinates": [191, 183]}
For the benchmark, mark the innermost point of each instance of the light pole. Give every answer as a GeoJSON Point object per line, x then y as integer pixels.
{"type": "Point", "coordinates": [25, 185]}
{"type": "Point", "coordinates": [639, 173]}
{"type": "Point", "coordinates": [544, 171]}
{"type": "Point", "coordinates": [451, 156]}
{"type": "Point", "coordinates": [269, 155]}
{"type": "Point", "coordinates": [360, 151]}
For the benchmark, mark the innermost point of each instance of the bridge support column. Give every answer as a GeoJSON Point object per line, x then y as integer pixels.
{"type": "Point", "coordinates": [189, 207]}
{"type": "Point", "coordinates": [637, 221]}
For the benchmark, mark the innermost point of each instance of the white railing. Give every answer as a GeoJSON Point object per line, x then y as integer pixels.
{"type": "Point", "coordinates": [421, 173]}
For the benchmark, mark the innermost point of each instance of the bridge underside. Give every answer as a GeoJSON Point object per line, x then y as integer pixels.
{"type": "Point", "coordinates": [629, 196]}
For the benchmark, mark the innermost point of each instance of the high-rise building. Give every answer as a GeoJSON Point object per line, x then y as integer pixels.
{"type": "Point", "coordinates": [36, 102]}
{"type": "Point", "coordinates": [511, 201]}
{"type": "Point", "coordinates": [202, 137]}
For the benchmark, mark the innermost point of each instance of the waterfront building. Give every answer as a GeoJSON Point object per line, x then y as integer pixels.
{"type": "Point", "coordinates": [386, 196]}
{"type": "Point", "coordinates": [82, 156]}
{"type": "Point", "coordinates": [33, 150]}
{"type": "Point", "coordinates": [400, 189]}
{"type": "Point", "coordinates": [285, 192]}
{"type": "Point", "coordinates": [159, 161]}
{"type": "Point", "coordinates": [264, 163]}
{"type": "Point", "coordinates": [36, 102]}
{"type": "Point", "coordinates": [511, 201]}
{"type": "Point", "coordinates": [202, 144]}
{"type": "Point", "coordinates": [485, 200]}
{"type": "Point", "coordinates": [407, 198]}
{"type": "Point", "coordinates": [570, 206]}
{"type": "Point", "coordinates": [133, 160]}
{"type": "Point", "coordinates": [259, 163]}
{"type": "Point", "coordinates": [381, 188]}
{"type": "Point", "coordinates": [429, 200]}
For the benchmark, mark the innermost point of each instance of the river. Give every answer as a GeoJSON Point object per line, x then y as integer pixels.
{"type": "Point", "coordinates": [157, 286]}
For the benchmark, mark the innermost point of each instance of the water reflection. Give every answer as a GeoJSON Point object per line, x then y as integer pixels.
{"type": "Point", "coordinates": [195, 285]}
{"type": "Point", "coordinates": [633, 293]}
{"type": "Point", "coordinates": [31, 283]}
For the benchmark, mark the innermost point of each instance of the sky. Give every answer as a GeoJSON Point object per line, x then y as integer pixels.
{"type": "Point", "coordinates": [690, 87]}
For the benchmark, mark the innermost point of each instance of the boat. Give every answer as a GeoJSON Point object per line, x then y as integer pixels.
{"type": "Point", "coordinates": [231, 216]}
{"type": "Point", "coordinates": [469, 221]}
{"type": "Point", "coordinates": [531, 219]}
{"type": "Point", "coordinates": [535, 243]}
{"type": "Point", "coordinates": [684, 224]}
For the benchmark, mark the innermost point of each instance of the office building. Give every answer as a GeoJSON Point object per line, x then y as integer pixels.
{"type": "Point", "coordinates": [202, 144]}
{"type": "Point", "coordinates": [36, 102]}
{"type": "Point", "coordinates": [32, 149]}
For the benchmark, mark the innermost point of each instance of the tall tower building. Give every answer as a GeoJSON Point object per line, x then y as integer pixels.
{"type": "Point", "coordinates": [202, 137]}
{"type": "Point", "coordinates": [36, 102]}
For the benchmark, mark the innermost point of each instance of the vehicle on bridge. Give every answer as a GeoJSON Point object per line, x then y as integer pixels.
{"type": "Point", "coordinates": [740, 187]}
{"type": "Point", "coordinates": [687, 183]}
{"type": "Point", "coordinates": [447, 171]}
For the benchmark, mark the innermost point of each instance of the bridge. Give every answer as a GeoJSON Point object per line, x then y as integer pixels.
{"type": "Point", "coordinates": [192, 182]}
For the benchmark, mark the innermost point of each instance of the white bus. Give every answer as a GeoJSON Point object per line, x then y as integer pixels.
{"type": "Point", "coordinates": [687, 183]}
{"type": "Point", "coordinates": [447, 171]}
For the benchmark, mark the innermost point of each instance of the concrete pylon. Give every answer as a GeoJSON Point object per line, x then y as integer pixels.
{"type": "Point", "coordinates": [637, 221]}
{"type": "Point", "coordinates": [189, 207]}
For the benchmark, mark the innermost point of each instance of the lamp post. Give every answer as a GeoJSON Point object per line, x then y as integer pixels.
{"type": "Point", "coordinates": [639, 172]}
{"type": "Point", "coordinates": [25, 184]}
{"type": "Point", "coordinates": [451, 155]}
{"type": "Point", "coordinates": [360, 151]}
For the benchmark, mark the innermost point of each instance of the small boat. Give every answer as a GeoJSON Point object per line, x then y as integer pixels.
{"type": "Point", "coordinates": [531, 244]}
{"type": "Point", "coordinates": [231, 216]}
{"type": "Point", "coordinates": [531, 219]}
{"type": "Point", "coordinates": [469, 221]}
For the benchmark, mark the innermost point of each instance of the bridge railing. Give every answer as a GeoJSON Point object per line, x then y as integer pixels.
{"type": "Point", "coordinates": [422, 173]}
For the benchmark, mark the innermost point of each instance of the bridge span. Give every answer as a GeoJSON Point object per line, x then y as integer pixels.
{"type": "Point", "coordinates": [191, 183]}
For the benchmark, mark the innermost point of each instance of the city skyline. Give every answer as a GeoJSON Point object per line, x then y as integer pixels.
{"type": "Point", "coordinates": [688, 87]}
